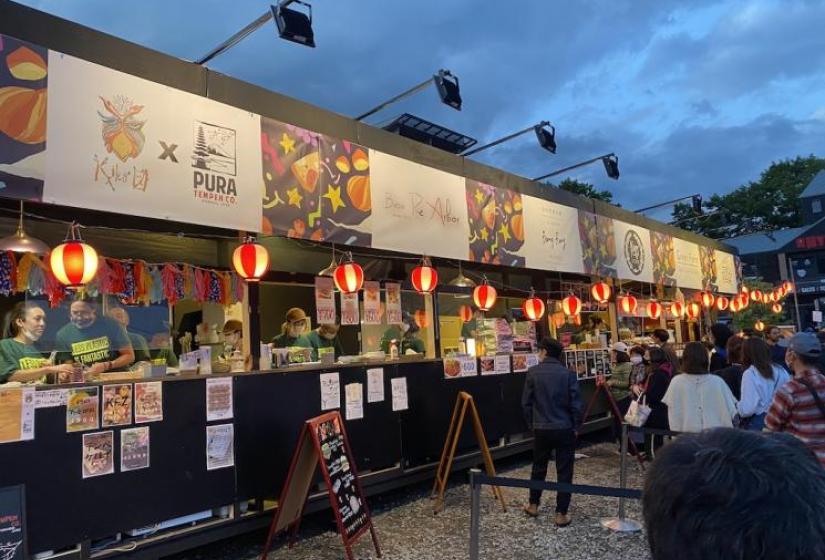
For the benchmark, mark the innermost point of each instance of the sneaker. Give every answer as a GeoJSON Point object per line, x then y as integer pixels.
{"type": "Point", "coordinates": [532, 510]}
{"type": "Point", "coordinates": [562, 520]}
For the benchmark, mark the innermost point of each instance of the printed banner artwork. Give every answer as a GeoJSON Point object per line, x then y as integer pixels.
{"type": "Point", "coordinates": [315, 186]}
{"type": "Point", "coordinates": [350, 314]}
{"type": "Point", "coordinates": [688, 266]}
{"type": "Point", "coordinates": [418, 209]}
{"type": "Point", "coordinates": [553, 240]}
{"type": "Point", "coordinates": [393, 304]}
{"type": "Point", "coordinates": [496, 222]}
{"type": "Point", "coordinates": [372, 303]}
{"type": "Point", "coordinates": [634, 261]}
{"type": "Point", "coordinates": [598, 244]}
{"type": "Point", "coordinates": [123, 144]}
{"type": "Point", "coordinates": [324, 300]}
{"type": "Point", "coordinates": [726, 272]}
{"type": "Point", "coordinates": [664, 258]}
{"type": "Point", "coordinates": [710, 272]}
{"type": "Point", "coordinates": [23, 101]}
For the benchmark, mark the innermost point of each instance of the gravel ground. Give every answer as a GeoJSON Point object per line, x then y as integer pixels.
{"type": "Point", "coordinates": [407, 528]}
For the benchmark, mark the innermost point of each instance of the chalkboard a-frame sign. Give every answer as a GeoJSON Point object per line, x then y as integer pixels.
{"type": "Point", "coordinates": [323, 442]}
{"type": "Point", "coordinates": [13, 523]}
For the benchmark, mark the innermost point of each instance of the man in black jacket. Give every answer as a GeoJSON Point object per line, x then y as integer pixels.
{"type": "Point", "coordinates": [552, 407]}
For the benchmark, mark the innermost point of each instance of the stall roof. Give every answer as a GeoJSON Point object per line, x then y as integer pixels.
{"type": "Point", "coordinates": [816, 187]}
{"type": "Point", "coordinates": [772, 241]}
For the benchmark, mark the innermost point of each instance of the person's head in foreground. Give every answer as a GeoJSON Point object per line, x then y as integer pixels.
{"type": "Point", "coordinates": [728, 494]}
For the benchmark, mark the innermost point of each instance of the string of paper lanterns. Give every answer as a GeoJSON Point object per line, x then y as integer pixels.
{"type": "Point", "coordinates": [533, 307]}
{"type": "Point", "coordinates": [73, 262]}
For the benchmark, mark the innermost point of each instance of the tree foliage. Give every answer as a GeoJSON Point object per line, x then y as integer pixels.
{"type": "Point", "coordinates": [770, 203]}
{"type": "Point", "coordinates": [584, 189]}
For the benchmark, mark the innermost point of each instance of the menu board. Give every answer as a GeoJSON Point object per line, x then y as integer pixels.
{"type": "Point", "coordinates": [588, 364]}
{"type": "Point", "coordinates": [12, 523]}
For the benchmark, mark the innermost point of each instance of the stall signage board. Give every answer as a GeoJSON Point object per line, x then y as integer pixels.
{"type": "Point", "coordinates": [324, 300]}
{"type": "Point", "coordinates": [551, 236]}
{"type": "Point", "coordinates": [323, 442]}
{"type": "Point", "coordinates": [633, 258]}
{"type": "Point", "coordinates": [12, 523]}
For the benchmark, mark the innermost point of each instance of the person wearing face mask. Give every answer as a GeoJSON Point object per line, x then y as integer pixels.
{"type": "Point", "coordinates": [20, 359]}
{"type": "Point", "coordinates": [639, 367]}
{"type": "Point", "coordinates": [407, 336]}
{"type": "Point", "coordinates": [98, 343]}
{"type": "Point", "coordinates": [325, 336]}
{"type": "Point", "coordinates": [293, 329]}
{"type": "Point", "coordinates": [233, 341]}
{"type": "Point", "coordinates": [139, 344]}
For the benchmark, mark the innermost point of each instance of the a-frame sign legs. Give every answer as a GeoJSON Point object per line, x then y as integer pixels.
{"type": "Point", "coordinates": [463, 403]}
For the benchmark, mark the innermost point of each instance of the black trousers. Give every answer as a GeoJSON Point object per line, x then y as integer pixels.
{"type": "Point", "coordinates": [563, 442]}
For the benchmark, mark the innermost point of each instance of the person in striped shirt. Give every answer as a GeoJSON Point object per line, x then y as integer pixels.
{"type": "Point", "coordinates": [798, 407]}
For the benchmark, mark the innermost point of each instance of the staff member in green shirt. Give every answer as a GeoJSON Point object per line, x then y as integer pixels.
{"type": "Point", "coordinates": [139, 344]}
{"type": "Point", "coordinates": [99, 343]}
{"type": "Point", "coordinates": [325, 336]}
{"type": "Point", "coordinates": [20, 360]}
{"type": "Point", "coordinates": [293, 329]}
{"type": "Point", "coordinates": [406, 335]}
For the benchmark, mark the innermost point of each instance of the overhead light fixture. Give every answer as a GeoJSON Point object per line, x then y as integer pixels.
{"type": "Point", "coordinates": [437, 136]}
{"type": "Point", "coordinates": [294, 25]}
{"type": "Point", "coordinates": [545, 133]}
{"type": "Point", "coordinates": [462, 281]}
{"type": "Point", "coordinates": [330, 269]}
{"type": "Point", "coordinates": [21, 242]}
{"type": "Point", "coordinates": [610, 161]}
{"type": "Point", "coordinates": [446, 83]}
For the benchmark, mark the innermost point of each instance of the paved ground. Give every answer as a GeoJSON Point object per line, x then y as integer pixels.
{"type": "Point", "coordinates": [408, 530]}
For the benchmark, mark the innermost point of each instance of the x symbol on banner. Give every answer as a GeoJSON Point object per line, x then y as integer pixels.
{"type": "Point", "coordinates": [168, 151]}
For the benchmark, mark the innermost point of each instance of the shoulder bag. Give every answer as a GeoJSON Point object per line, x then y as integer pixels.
{"type": "Point", "coordinates": [814, 394]}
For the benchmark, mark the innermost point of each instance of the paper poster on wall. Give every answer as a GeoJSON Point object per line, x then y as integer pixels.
{"type": "Point", "coordinates": [375, 385]}
{"type": "Point", "coordinates": [393, 303]}
{"type": "Point", "coordinates": [688, 264]}
{"type": "Point", "coordinates": [23, 92]}
{"type": "Point", "coordinates": [400, 401]}
{"type": "Point", "coordinates": [354, 395]}
{"type": "Point", "coordinates": [117, 405]}
{"type": "Point", "coordinates": [664, 258]}
{"type": "Point", "coordinates": [220, 446]}
{"type": "Point", "coordinates": [315, 186]}
{"type": "Point", "coordinates": [460, 367]}
{"type": "Point", "coordinates": [218, 398]}
{"type": "Point", "coordinates": [50, 398]}
{"type": "Point", "coordinates": [98, 454]}
{"type": "Point", "coordinates": [598, 244]}
{"type": "Point", "coordinates": [148, 402]}
{"type": "Point", "coordinates": [324, 300]}
{"type": "Point", "coordinates": [418, 209]}
{"type": "Point", "coordinates": [372, 303]}
{"type": "Point", "coordinates": [330, 390]}
{"type": "Point", "coordinates": [82, 409]}
{"type": "Point", "coordinates": [350, 314]}
{"type": "Point", "coordinates": [123, 144]}
{"type": "Point", "coordinates": [17, 406]}
{"type": "Point", "coordinates": [634, 260]}
{"type": "Point", "coordinates": [134, 449]}
{"type": "Point", "coordinates": [496, 222]}
{"type": "Point", "coordinates": [553, 240]}
{"type": "Point", "coordinates": [726, 272]}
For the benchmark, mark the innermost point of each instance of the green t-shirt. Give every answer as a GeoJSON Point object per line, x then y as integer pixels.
{"type": "Point", "coordinates": [15, 356]}
{"type": "Point", "coordinates": [317, 341]}
{"type": "Point", "coordinates": [165, 354]}
{"type": "Point", "coordinates": [100, 342]}
{"type": "Point", "coordinates": [140, 346]}
{"type": "Point", "coordinates": [468, 328]}
{"type": "Point", "coordinates": [412, 342]}
{"type": "Point", "coordinates": [283, 340]}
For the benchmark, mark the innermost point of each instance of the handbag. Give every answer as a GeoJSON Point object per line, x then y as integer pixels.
{"type": "Point", "coordinates": [638, 412]}
{"type": "Point", "coordinates": [814, 394]}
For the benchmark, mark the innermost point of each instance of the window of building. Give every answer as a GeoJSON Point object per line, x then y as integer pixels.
{"type": "Point", "coordinates": [816, 206]}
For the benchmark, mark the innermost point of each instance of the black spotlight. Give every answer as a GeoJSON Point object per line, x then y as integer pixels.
{"type": "Point", "coordinates": [448, 89]}
{"type": "Point", "coordinates": [611, 165]}
{"type": "Point", "coordinates": [546, 134]}
{"type": "Point", "coordinates": [293, 25]}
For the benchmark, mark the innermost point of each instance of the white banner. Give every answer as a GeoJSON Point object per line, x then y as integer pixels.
{"type": "Point", "coordinates": [726, 273]}
{"type": "Point", "coordinates": [551, 240]}
{"type": "Point", "coordinates": [372, 303]}
{"type": "Point", "coordinates": [349, 309]}
{"type": "Point", "coordinates": [393, 303]}
{"type": "Point", "coordinates": [417, 209]}
{"type": "Point", "coordinates": [688, 264]}
{"type": "Point", "coordinates": [633, 257]}
{"type": "Point", "coordinates": [123, 144]}
{"type": "Point", "coordinates": [324, 300]}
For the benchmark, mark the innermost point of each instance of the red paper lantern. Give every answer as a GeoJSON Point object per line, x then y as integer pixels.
{"type": "Point", "coordinates": [349, 277]}
{"type": "Point", "coordinates": [759, 325]}
{"type": "Point", "coordinates": [424, 278]}
{"type": "Point", "coordinates": [73, 262]}
{"type": "Point", "coordinates": [533, 307]}
{"type": "Point", "coordinates": [708, 299]}
{"type": "Point", "coordinates": [722, 303]}
{"type": "Point", "coordinates": [744, 302]}
{"type": "Point", "coordinates": [600, 291]}
{"type": "Point", "coordinates": [693, 310]}
{"type": "Point", "coordinates": [745, 290]}
{"type": "Point", "coordinates": [250, 260]}
{"type": "Point", "coordinates": [627, 303]}
{"type": "Point", "coordinates": [777, 308]}
{"type": "Point", "coordinates": [421, 319]}
{"type": "Point", "coordinates": [735, 304]}
{"type": "Point", "coordinates": [465, 312]}
{"type": "Point", "coordinates": [571, 305]}
{"type": "Point", "coordinates": [756, 295]}
{"type": "Point", "coordinates": [654, 309]}
{"type": "Point", "coordinates": [484, 296]}
{"type": "Point", "coordinates": [766, 298]}
{"type": "Point", "coordinates": [776, 295]}
{"type": "Point", "coordinates": [676, 309]}
{"type": "Point", "coordinates": [787, 285]}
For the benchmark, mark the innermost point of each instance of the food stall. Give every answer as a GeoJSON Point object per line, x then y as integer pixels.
{"type": "Point", "coordinates": [232, 227]}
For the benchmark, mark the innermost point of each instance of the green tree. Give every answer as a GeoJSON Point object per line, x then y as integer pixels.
{"type": "Point", "coordinates": [584, 189]}
{"type": "Point", "coordinates": [770, 203]}
{"type": "Point", "coordinates": [758, 311]}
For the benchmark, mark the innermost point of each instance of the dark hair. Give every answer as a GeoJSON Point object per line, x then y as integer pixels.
{"type": "Point", "coordinates": [810, 361]}
{"type": "Point", "coordinates": [658, 356]}
{"type": "Point", "coordinates": [661, 335]}
{"type": "Point", "coordinates": [640, 350]}
{"type": "Point", "coordinates": [17, 313]}
{"type": "Point", "coordinates": [734, 349]}
{"type": "Point", "coordinates": [695, 358]}
{"type": "Point", "coordinates": [721, 333]}
{"type": "Point", "coordinates": [756, 353]}
{"type": "Point", "coordinates": [621, 357]}
{"type": "Point", "coordinates": [552, 346]}
{"type": "Point", "coordinates": [705, 493]}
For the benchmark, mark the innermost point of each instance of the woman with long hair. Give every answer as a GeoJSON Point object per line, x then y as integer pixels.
{"type": "Point", "coordinates": [655, 388]}
{"type": "Point", "coordinates": [759, 383]}
{"type": "Point", "coordinates": [732, 375]}
{"type": "Point", "coordinates": [20, 359]}
{"type": "Point", "coordinates": [697, 400]}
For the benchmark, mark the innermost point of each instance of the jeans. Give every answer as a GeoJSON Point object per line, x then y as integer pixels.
{"type": "Point", "coordinates": [563, 442]}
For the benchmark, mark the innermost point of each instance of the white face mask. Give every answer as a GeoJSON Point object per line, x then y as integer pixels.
{"type": "Point", "coordinates": [636, 359]}
{"type": "Point", "coordinates": [30, 335]}
{"type": "Point", "coordinates": [404, 327]}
